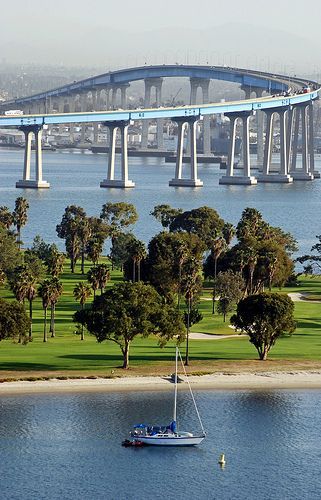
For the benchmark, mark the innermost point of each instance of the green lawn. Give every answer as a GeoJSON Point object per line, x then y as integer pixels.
{"type": "Point", "coordinates": [68, 355]}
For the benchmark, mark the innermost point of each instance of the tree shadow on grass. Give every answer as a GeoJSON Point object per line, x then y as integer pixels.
{"type": "Point", "coordinates": [312, 323]}
{"type": "Point", "coordinates": [24, 365]}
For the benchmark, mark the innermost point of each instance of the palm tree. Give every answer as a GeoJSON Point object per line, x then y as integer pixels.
{"type": "Point", "coordinates": [138, 252]}
{"type": "Point", "coordinates": [103, 275]}
{"type": "Point", "coordinates": [55, 293]}
{"type": "Point", "coordinates": [6, 217]}
{"type": "Point", "coordinates": [44, 291]}
{"type": "Point", "coordinates": [228, 232]}
{"type": "Point", "coordinates": [191, 285]}
{"type": "Point", "coordinates": [23, 284]}
{"type": "Point", "coordinates": [218, 247]}
{"type": "Point", "coordinates": [20, 215]}
{"type": "Point", "coordinates": [55, 261]}
{"type": "Point", "coordinates": [181, 256]}
{"type": "Point", "coordinates": [81, 293]}
{"type": "Point", "coordinates": [84, 233]}
{"type": "Point", "coordinates": [93, 278]}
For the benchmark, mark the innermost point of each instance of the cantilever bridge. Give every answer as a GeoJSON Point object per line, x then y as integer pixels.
{"type": "Point", "coordinates": [283, 97]}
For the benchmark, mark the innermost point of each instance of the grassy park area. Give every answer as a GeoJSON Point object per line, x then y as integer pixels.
{"type": "Point", "coordinates": [66, 355]}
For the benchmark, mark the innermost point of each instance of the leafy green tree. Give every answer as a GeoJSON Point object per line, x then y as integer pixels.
{"type": "Point", "coordinates": [166, 254]}
{"type": "Point", "coordinates": [118, 216]}
{"type": "Point", "coordinates": [56, 289]}
{"type": "Point", "coordinates": [99, 233]}
{"type": "Point", "coordinates": [82, 292]}
{"type": "Point", "coordinates": [191, 286]}
{"type": "Point", "coordinates": [41, 248]}
{"type": "Point", "coordinates": [312, 262]}
{"type": "Point", "coordinates": [84, 234]}
{"type": "Point", "coordinates": [230, 288]}
{"type": "Point", "coordinates": [6, 217]}
{"type": "Point", "coordinates": [120, 250]}
{"type": "Point", "coordinates": [24, 286]}
{"type": "Point", "coordinates": [69, 229]}
{"type": "Point", "coordinates": [34, 265]}
{"type": "Point", "coordinates": [264, 317]}
{"type": "Point", "coordinates": [44, 291]}
{"type": "Point", "coordinates": [165, 214]}
{"type": "Point", "coordinates": [14, 322]}
{"type": "Point", "coordinates": [204, 222]}
{"type": "Point", "coordinates": [127, 310]}
{"type": "Point", "coordinates": [20, 216]}
{"type": "Point", "coordinates": [218, 247]}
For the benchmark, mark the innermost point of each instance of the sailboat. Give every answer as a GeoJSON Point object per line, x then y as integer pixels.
{"type": "Point", "coordinates": [169, 435]}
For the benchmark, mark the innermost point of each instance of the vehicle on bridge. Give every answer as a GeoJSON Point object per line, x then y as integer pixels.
{"type": "Point", "coordinates": [13, 112]}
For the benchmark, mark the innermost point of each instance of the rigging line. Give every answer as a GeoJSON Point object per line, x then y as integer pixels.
{"type": "Point", "coordinates": [191, 392]}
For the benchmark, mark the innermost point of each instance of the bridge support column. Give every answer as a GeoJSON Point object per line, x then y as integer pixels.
{"type": "Point", "coordinates": [159, 121]}
{"type": "Point", "coordinates": [145, 126]}
{"type": "Point", "coordinates": [282, 176]}
{"type": "Point", "coordinates": [83, 102]}
{"type": "Point", "coordinates": [192, 181]}
{"type": "Point", "coordinates": [96, 107]}
{"type": "Point", "coordinates": [61, 109]}
{"type": "Point", "coordinates": [206, 120]}
{"type": "Point", "coordinates": [314, 172]}
{"type": "Point", "coordinates": [123, 182]}
{"type": "Point", "coordinates": [26, 182]}
{"type": "Point", "coordinates": [305, 173]}
{"type": "Point", "coordinates": [246, 178]}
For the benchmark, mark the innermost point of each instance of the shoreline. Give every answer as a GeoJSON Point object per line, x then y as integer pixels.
{"type": "Point", "coordinates": [216, 381]}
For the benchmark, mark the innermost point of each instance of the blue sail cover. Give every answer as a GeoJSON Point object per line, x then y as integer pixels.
{"type": "Point", "coordinates": [173, 426]}
{"type": "Point", "coordinates": [140, 426]}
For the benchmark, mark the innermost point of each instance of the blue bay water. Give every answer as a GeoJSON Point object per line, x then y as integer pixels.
{"type": "Point", "coordinates": [75, 177]}
{"type": "Point", "coordinates": [68, 446]}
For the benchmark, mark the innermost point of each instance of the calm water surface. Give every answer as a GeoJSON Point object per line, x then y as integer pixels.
{"type": "Point", "coordinates": [75, 177]}
{"type": "Point", "coordinates": [69, 447]}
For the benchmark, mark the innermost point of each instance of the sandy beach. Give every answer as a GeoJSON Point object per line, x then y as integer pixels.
{"type": "Point", "coordinates": [217, 381]}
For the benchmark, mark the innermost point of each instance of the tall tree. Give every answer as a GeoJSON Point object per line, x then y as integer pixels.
{"type": "Point", "coordinates": [204, 222]}
{"type": "Point", "coordinates": [191, 285]}
{"type": "Point", "coordinates": [81, 293]}
{"type": "Point", "coordinates": [130, 309]}
{"type": "Point", "coordinates": [68, 230]}
{"type": "Point", "coordinates": [84, 233]}
{"type": "Point", "coordinates": [120, 250]}
{"type": "Point", "coordinates": [20, 216]}
{"type": "Point", "coordinates": [230, 286]}
{"type": "Point", "coordinates": [137, 251]}
{"type": "Point", "coordinates": [44, 291]}
{"type": "Point", "coordinates": [118, 216]}
{"type": "Point", "coordinates": [165, 214]}
{"type": "Point", "coordinates": [24, 286]}
{"type": "Point", "coordinates": [218, 247]}
{"type": "Point", "coordinates": [55, 292]}
{"type": "Point", "coordinates": [93, 278]}
{"type": "Point", "coordinates": [265, 317]}
{"type": "Point", "coordinates": [55, 261]}
{"type": "Point", "coordinates": [103, 276]}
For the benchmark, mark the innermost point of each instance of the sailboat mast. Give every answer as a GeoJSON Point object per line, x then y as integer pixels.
{"type": "Point", "coordinates": [175, 398]}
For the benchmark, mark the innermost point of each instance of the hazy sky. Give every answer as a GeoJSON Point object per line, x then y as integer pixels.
{"type": "Point", "coordinates": [121, 33]}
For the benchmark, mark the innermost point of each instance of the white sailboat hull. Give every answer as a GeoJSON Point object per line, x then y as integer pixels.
{"type": "Point", "coordinates": [171, 440]}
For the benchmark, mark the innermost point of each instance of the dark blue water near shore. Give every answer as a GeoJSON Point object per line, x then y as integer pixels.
{"type": "Point", "coordinates": [75, 177]}
{"type": "Point", "coordinates": [69, 447]}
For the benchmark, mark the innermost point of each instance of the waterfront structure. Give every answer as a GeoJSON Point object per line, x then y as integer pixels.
{"type": "Point", "coordinates": [292, 107]}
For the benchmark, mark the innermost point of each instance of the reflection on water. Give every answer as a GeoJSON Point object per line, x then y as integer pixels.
{"type": "Point", "coordinates": [69, 446]}
{"type": "Point", "coordinates": [75, 177]}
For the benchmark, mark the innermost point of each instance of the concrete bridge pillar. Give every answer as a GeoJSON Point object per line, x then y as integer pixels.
{"type": "Point", "coordinates": [314, 172]}
{"type": "Point", "coordinates": [206, 120]}
{"type": "Point", "coordinates": [110, 181]}
{"type": "Point", "coordinates": [247, 91]}
{"type": "Point", "coordinates": [285, 142]}
{"type": "Point", "coordinates": [38, 182]}
{"type": "Point", "coordinates": [159, 121]}
{"type": "Point", "coordinates": [149, 84]}
{"type": "Point", "coordinates": [246, 178]}
{"type": "Point", "coordinates": [192, 180]}
{"type": "Point", "coordinates": [306, 172]}
{"type": "Point", "coordinates": [61, 109]}
{"type": "Point", "coordinates": [83, 105]}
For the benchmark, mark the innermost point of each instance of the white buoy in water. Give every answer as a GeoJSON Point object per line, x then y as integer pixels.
{"type": "Point", "coordinates": [222, 460]}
